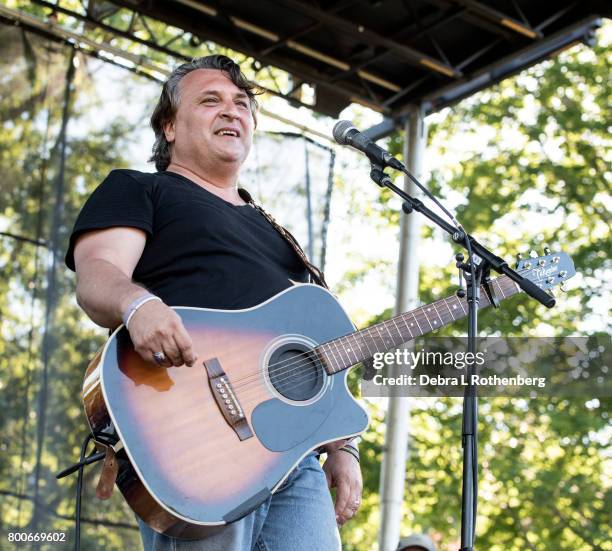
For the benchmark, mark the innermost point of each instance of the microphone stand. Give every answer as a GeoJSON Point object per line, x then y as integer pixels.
{"type": "Point", "coordinates": [476, 271]}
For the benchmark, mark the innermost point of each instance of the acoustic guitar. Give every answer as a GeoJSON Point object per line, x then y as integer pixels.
{"type": "Point", "coordinates": [200, 447]}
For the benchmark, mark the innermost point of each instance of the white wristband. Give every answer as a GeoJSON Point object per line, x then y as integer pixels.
{"type": "Point", "coordinates": [135, 305]}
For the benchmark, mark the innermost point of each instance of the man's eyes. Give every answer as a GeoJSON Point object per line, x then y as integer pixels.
{"type": "Point", "coordinates": [240, 102]}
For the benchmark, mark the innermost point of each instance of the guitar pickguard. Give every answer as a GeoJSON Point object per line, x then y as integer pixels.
{"type": "Point", "coordinates": [281, 426]}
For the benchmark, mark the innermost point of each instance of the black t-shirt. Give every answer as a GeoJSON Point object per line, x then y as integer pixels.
{"type": "Point", "coordinates": [201, 250]}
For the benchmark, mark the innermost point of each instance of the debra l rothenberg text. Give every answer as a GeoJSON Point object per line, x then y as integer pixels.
{"type": "Point", "coordinates": [462, 380]}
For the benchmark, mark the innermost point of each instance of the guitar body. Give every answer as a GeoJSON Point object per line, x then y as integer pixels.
{"type": "Point", "coordinates": [186, 469]}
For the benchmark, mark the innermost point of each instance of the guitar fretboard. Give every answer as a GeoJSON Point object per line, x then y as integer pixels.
{"type": "Point", "coordinates": [346, 351]}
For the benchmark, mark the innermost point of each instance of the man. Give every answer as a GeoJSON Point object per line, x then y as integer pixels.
{"type": "Point", "coordinates": [187, 236]}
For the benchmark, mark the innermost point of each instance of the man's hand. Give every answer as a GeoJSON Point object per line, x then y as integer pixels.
{"type": "Point", "coordinates": [155, 327]}
{"type": "Point", "coordinates": [343, 473]}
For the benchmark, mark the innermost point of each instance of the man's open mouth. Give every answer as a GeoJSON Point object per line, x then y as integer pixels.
{"type": "Point", "coordinates": [228, 132]}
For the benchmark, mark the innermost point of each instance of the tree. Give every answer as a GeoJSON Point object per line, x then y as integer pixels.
{"type": "Point", "coordinates": [531, 158]}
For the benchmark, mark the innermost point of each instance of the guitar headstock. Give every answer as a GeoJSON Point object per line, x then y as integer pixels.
{"type": "Point", "coordinates": [547, 271]}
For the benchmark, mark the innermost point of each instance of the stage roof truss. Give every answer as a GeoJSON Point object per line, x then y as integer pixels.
{"type": "Point", "coordinates": [388, 55]}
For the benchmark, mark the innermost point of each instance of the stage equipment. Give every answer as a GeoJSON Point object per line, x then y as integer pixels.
{"type": "Point", "coordinates": [477, 269]}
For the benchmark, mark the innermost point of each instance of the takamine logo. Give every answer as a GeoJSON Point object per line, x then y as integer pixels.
{"type": "Point", "coordinates": [541, 273]}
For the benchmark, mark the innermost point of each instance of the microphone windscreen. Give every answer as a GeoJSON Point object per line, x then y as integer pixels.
{"type": "Point", "coordinates": [340, 130]}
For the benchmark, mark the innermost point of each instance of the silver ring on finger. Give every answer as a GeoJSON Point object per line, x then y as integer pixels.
{"type": "Point", "coordinates": [159, 358]}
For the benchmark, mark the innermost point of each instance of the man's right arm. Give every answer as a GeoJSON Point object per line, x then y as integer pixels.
{"type": "Point", "coordinates": [105, 261]}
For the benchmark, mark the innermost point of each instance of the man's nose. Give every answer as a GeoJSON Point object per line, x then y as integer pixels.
{"type": "Point", "coordinates": [230, 110]}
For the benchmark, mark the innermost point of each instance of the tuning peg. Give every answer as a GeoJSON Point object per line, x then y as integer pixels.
{"type": "Point", "coordinates": [562, 287]}
{"type": "Point", "coordinates": [533, 254]}
{"type": "Point", "coordinates": [546, 250]}
{"type": "Point", "coordinates": [519, 257]}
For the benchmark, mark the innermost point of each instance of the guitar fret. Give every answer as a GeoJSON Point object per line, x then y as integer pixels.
{"type": "Point", "coordinates": [329, 354]}
{"type": "Point", "coordinates": [421, 332]}
{"type": "Point", "coordinates": [365, 341]}
{"type": "Point", "coordinates": [334, 350]}
{"type": "Point", "coordinates": [389, 342]}
{"type": "Point", "coordinates": [379, 337]}
{"type": "Point", "coordinates": [340, 351]}
{"type": "Point", "coordinates": [398, 331]}
{"type": "Point", "coordinates": [455, 302]}
{"type": "Point", "coordinates": [403, 318]}
{"type": "Point", "coordinates": [337, 357]}
{"type": "Point", "coordinates": [352, 342]}
{"type": "Point", "coordinates": [381, 340]}
{"type": "Point", "coordinates": [439, 316]}
{"type": "Point", "coordinates": [449, 310]}
{"type": "Point", "coordinates": [427, 317]}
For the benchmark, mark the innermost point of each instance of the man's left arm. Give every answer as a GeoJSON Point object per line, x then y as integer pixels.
{"type": "Point", "coordinates": [343, 472]}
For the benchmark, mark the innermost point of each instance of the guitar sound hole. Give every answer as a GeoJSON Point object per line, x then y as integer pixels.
{"type": "Point", "coordinates": [295, 372]}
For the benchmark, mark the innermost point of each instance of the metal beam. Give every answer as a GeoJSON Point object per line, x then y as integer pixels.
{"type": "Point", "coordinates": [477, 20]}
{"type": "Point", "coordinates": [371, 37]}
{"type": "Point", "coordinates": [382, 129]}
{"type": "Point", "coordinates": [282, 41]}
{"type": "Point", "coordinates": [53, 31]}
{"type": "Point", "coordinates": [393, 470]}
{"type": "Point", "coordinates": [510, 65]}
{"type": "Point", "coordinates": [413, 35]}
{"type": "Point", "coordinates": [500, 18]}
{"type": "Point", "coordinates": [35, 22]}
{"type": "Point", "coordinates": [350, 92]}
{"type": "Point", "coordinates": [302, 48]}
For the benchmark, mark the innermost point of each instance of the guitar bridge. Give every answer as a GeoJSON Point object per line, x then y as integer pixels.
{"type": "Point", "coordinates": [226, 399]}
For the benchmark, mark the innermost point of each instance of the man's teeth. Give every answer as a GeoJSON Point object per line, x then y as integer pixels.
{"type": "Point", "coordinates": [227, 133]}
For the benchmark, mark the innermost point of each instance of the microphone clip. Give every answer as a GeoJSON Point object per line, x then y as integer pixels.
{"type": "Point", "coordinates": [378, 174]}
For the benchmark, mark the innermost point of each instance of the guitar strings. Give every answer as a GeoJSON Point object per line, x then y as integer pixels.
{"type": "Point", "coordinates": [297, 365]}
{"type": "Point", "coordinates": [300, 363]}
{"type": "Point", "coordinates": [304, 378]}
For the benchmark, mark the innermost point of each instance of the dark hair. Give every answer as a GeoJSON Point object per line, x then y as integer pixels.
{"type": "Point", "coordinates": [169, 99]}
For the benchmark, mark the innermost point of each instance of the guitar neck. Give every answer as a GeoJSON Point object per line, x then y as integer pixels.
{"type": "Point", "coordinates": [346, 351]}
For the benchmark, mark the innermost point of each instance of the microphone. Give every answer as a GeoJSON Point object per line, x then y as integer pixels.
{"type": "Point", "coordinates": [346, 134]}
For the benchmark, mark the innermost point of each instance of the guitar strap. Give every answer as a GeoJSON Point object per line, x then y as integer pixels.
{"type": "Point", "coordinates": [316, 275]}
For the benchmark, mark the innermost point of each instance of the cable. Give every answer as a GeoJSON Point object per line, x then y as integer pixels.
{"type": "Point", "coordinates": [104, 437]}
{"type": "Point", "coordinates": [77, 522]}
{"type": "Point", "coordinates": [435, 200]}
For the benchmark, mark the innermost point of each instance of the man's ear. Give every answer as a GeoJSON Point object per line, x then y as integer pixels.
{"type": "Point", "coordinates": [169, 131]}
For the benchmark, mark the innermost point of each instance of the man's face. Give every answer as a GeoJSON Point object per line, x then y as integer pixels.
{"type": "Point", "coordinates": [213, 123]}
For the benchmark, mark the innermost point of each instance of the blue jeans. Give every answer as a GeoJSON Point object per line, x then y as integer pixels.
{"type": "Point", "coordinates": [298, 517]}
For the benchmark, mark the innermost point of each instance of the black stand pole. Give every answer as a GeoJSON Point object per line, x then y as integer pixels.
{"type": "Point", "coordinates": [475, 272]}
{"type": "Point", "coordinates": [469, 432]}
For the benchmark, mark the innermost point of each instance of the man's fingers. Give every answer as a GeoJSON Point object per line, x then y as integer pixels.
{"type": "Point", "coordinates": [155, 355]}
{"type": "Point", "coordinates": [352, 505]}
{"type": "Point", "coordinates": [343, 493]}
{"type": "Point", "coordinates": [172, 352]}
{"type": "Point", "coordinates": [184, 345]}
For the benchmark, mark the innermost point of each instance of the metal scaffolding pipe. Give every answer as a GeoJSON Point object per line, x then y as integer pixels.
{"type": "Point", "coordinates": [393, 471]}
